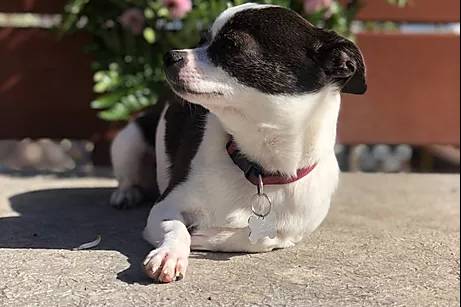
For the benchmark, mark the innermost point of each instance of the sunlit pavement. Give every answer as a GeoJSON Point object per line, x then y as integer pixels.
{"type": "Point", "coordinates": [388, 240]}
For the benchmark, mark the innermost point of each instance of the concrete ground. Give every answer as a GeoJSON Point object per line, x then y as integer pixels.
{"type": "Point", "coordinates": [388, 240]}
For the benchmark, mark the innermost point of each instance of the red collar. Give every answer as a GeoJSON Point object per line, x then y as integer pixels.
{"type": "Point", "coordinates": [253, 170]}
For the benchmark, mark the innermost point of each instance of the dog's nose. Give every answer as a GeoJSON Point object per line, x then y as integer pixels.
{"type": "Point", "coordinates": [174, 58]}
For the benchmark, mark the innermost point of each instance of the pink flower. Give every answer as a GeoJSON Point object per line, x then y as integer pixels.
{"type": "Point", "coordinates": [178, 8]}
{"type": "Point", "coordinates": [312, 6]}
{"type": "Point", "coordinates": [133, 20]}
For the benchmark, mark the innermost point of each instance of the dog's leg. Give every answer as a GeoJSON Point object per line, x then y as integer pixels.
{"type": "Point", "coordinates": [166, 230]}
{"type": "Point", "coordinates": [133, 160]}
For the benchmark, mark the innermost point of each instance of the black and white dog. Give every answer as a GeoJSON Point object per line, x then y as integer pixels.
{"type": "Point", "coordinates": [243, 153]}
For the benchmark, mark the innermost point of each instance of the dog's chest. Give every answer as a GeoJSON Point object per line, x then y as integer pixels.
{"type": "Point", "coordinates": [215, 192]}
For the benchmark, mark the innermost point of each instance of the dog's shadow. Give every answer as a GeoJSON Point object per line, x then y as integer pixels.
{"type": "Point", "coordinates": [66, 218]}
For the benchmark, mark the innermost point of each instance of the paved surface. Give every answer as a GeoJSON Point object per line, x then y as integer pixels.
{"type": "Point", "coordinates": [389, 240]}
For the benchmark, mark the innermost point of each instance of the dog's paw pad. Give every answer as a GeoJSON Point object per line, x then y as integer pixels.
{"type": "Point", "coordinates": [127, 198]}
{"type": "Point", "coordinates": [165, 265]}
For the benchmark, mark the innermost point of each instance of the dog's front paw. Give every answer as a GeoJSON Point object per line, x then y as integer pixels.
{"type": "Point", "coordinates": [166, 264]}
{"type": "Point", "coordinates": [127, 198]}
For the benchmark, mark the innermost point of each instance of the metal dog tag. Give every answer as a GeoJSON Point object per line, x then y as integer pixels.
{"type": "Point", "coordinates": [262, 223]}
{"type": "Point", "coordinates": [262, 227]}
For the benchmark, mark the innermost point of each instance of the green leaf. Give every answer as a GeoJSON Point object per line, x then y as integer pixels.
{"type": "Point", "coordinates": [116, 113]}
{"type": "Point", "coordinates": [107, 100]}
{"type": "Point", "coordinates": [149, 35]}
{"type": "Point", "coordinates": [163, 12]}
{"type": "Point", "coordinates": [149, 13]}
{"type": "Point", "coordinates": [99, 76]}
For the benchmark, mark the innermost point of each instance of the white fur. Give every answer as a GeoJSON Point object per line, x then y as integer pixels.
{"type": "Point", "coordinates": [227, 14]}
{"type": "Point", "coordinates": [127, 142]}
{"type": "Point", "coordinates": [133, 162]}
{"type": "Point", "coordinates": [217, 196]}
{"type": "Point", "coordinates": [160, 154]}
{"type": "Point", "coordinates": [170, 259]}
{"type": "Point", "coordinates": [203, 77]}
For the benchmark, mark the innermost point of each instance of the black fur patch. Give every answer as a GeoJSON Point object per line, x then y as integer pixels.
{"type": "Point", "coordinates": [278, 52]}
{"type": "Point", "coordinates": [184, 132]}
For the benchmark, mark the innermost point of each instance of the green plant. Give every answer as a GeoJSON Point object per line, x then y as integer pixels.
{"type": "Point", "coordinates": [129, 38]}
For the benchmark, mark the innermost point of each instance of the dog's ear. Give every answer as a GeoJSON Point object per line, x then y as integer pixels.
{"type": "Point", "coordinates": [344, 65]}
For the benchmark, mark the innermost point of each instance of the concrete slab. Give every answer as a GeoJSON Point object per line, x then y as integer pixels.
{"type": "Point", "coordinates": [388, 240]}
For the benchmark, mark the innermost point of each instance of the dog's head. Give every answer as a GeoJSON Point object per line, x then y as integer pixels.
{"type": "Point", "coordinates": [261, 50]}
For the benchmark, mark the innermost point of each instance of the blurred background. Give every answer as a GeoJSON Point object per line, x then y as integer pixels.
{"type": "Point", "coordinates": [73, 72]}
